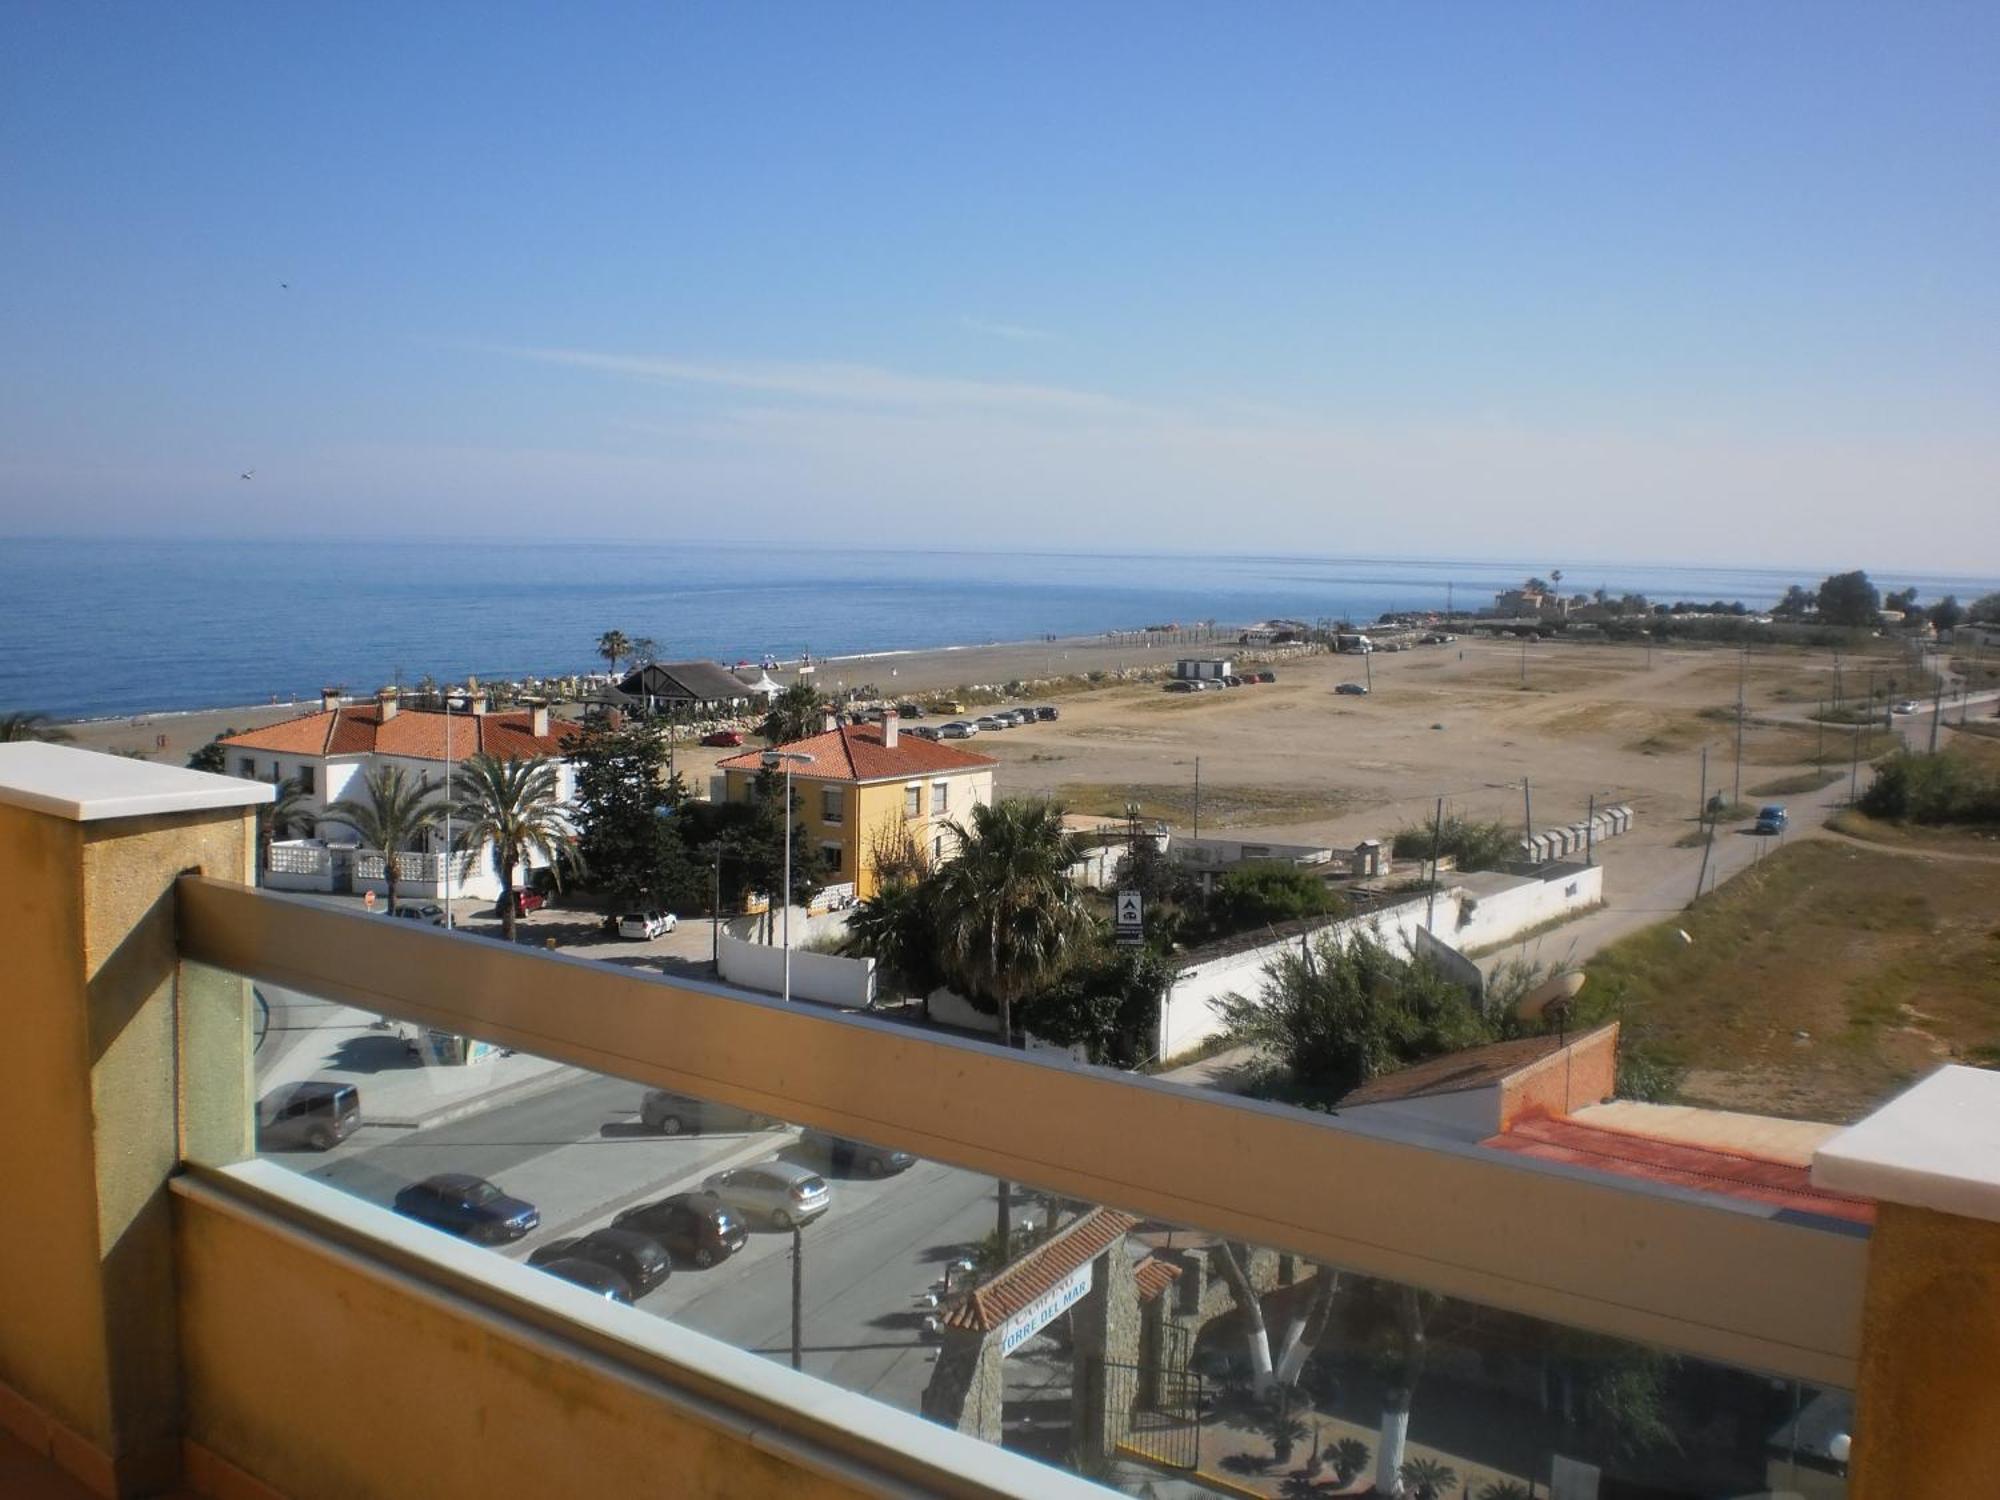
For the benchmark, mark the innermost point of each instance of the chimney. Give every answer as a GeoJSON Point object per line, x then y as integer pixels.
{"type": "Point", "coordinates": [538, 718]}
{"type": "Point", "coordinates": [329, 699]}
{"type": "Point", "coordinates": [829, 721]}
{"type": "Point", "coordinates": [888, 729]}
{"type": "Point", "coordinates": [388, 700]}
{"type": "Point", "coordinates": [476, 701]}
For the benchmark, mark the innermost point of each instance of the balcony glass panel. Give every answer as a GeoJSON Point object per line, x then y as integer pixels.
{"type": "Point", "coordinates": [1107, 1344]}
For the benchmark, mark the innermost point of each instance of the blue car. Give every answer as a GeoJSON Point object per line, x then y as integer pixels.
{"type": "Point", "coordinates": [1771, 819]}
{"type": "Point", "coordinates": [470, 1207]}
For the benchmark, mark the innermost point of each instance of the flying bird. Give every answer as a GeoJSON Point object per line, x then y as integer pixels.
{"type": "Point", "coordinates": [246, 473]}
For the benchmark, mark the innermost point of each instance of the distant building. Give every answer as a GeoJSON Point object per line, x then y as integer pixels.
{"type": "Point", "coordinates": [1527, 603]}
{"type": "Point", "coordinates": [1204, 668]}
{"type": "Point", "coordinates": [866, 786]}
{"type": "Point", "coordinates": [685, 687]}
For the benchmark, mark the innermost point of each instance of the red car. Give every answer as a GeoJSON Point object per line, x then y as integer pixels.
{"type": "Point", "coordinates": [723, 739]}
{"type": "Point", "coordinates": [524, 902]}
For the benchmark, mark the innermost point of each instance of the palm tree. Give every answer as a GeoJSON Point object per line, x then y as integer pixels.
{"type": "Point", "coordinates": [1428, 1478]}
{"type": "Point", "coordinates": [397, 811]}
{"type": "Point", "coordinates": [292, 812]}
{"type": "Point", "coordinates": [1008, 919]}
{"type": "Point", "coordinates": [1349, 1457]}
{"type": "Point", "coordinates": [1504, 1489]}
{"type": "Point", "coordinates": [17, 728]}
{"type": "Point", "coordinates": [514, 806]}
{"type": "Point", "coordinates": [613, 647]}
{"type": "Point", "coordinates": [644, 649]}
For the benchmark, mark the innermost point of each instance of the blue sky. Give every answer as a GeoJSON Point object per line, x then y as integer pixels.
{"type": "Point", "coordinates": [1681, 281]}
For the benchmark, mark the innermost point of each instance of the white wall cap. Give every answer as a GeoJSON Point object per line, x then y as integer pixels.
{"type": "Point", "coordinates": [1936, 1146]}
{"type": "Point", "coordinates": [85, 785]}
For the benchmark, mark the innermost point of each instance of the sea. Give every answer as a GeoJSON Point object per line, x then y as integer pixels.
{"type": "Point", "coordinates": [107, 628]}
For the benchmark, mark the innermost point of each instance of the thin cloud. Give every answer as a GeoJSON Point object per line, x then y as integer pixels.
{"type": "Point", "coordinates": [840, 384]}
{"type": "Point", "coordinates": [1018, 333]}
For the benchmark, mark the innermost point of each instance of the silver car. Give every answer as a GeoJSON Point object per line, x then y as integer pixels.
{"type": "Point", "coordinates": [958, 729]}
{"type": "Point", "coordinates": [990, 722]}
{"type": "Point", "coordinates": [780, 1193]}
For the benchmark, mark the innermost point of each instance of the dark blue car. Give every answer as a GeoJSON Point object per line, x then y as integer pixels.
{"type": "Point", "coordinates": [469, 1207]}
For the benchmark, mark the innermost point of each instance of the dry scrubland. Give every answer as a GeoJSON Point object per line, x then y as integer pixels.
{"type": "Point", "coordinates": [1820, 982]}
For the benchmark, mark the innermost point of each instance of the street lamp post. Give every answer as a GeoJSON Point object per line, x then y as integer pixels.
{"type": "Point", "coordinates": [788, 758]}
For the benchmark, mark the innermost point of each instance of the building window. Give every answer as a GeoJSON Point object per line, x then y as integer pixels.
{"type": "Point", "coordinates": [940, 796]}
{"type": "Point", "coordinates": [309, 780]}
{"type": "Point", "coordinates": [834, 856]}
{"type": "Point", "coordinates": [247, 766]}
{"type": "Point", "coordinates": [832, 804]}
{"type": "Point", "coordinates": [913, 801]}
{"type": "Point", "coordinates": [937, 847]}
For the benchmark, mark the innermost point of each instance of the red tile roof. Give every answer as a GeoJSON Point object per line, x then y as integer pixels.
{"type": "Point", "coordinates": [855, 752]}
{"type": "Point", "coordinates": [419, 734]}
{"type": "Point", "coordinates": [1733, 1174]}
{"type": "Point", "coordinates": [1155, 1276]}
{"type": "Point", "coordinates": [1039, 1270]}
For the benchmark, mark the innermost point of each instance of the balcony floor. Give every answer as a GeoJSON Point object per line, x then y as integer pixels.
{"type": "Point", "coordinates": [27, 1475]}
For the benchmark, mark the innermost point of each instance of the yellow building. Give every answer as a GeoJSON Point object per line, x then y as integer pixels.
{"type": "Point", "coordinates": [865, 786]}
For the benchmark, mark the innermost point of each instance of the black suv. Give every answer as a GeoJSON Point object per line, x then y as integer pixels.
{"type": "Point", "coordinates": [847, 1157]}
{"type": "Point", "coordinates": [637, 1258]}
{"type": "Point", "coordinates": [696, 1227]}
{"type": "Point", "coordinates": [314, 1114]}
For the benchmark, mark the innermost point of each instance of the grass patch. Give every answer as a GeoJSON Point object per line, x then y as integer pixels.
{"type": "Point", "coordinates": [1221, 806]}
{"type": "Point", "coordinates": [1540, 929]}
{"type": "Point", "coordinates": [1948, 838]}
{"type": "Point", "coordinates": [1818, 983]}
{"type": "Point", "coordinates": [1799, 785]}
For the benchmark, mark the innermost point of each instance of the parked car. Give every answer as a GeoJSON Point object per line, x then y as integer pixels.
{"type": "Point", "coordinates": [1353, 689]}
{"type": "Point", "coordinates": [1024, 715]}
{"type": "Point", "coordinates": [590, 1275]}
{"type": "Point", "coordinates": [1048, 713]}
{"type": "Point", "coordinates": [958, 729]}
{"type": "Point", "coordinates": [638, 1259]}
{"type": "Point", "coordinates": [644, 926]}
{"type": "Point", "coordinates": [848, 1157]}
{"type": "Point", "coordinates": [925, 731]}
{"type": "Point", "coordinates": [1267, 676]}
{"type": "Point", "coordinates": [683, 1114]}
{"type": "Point", "coordinates": [524, 902]}
{"type": "Point", "coordinates": [419, 911]}
{"type": "Point", "coordinates": [947, 706]}
{"type": "Point", "coordinates": [695, 1227]}
{"type": "Point", "coordinates": [909, 710]}
{"type": "Point", "coordinates": [724, 739]}
{"type": "Point", "coordinates": [315, 1114]}
{"type": "Point", "coordinates": [1181, 685]}
{"type": "Point", "coordinates": [1232, 680]}
{"type": "Point", "coordinates": [1771, 819]}
{"type": "Point", "coordinates": [991, 722]}
{"type": "Point", "coordinates": [1906, 705]}
{"type": "Point", "coordinates": [781, 1193]}
{"type": "Point", "coordinates": [469, 1207]}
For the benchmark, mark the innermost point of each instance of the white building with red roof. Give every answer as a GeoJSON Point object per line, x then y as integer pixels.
{"type": "Point", "coordinates": [329, 754]}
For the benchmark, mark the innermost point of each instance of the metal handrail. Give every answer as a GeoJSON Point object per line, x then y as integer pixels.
{"type": "Point", "coordinates": [1739, 1283]}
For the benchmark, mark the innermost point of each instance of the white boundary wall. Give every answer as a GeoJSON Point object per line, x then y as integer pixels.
{"type": "Point", "coordinates": [815, 976]}
{"type": "Point", "coordinates": [1496, 916]}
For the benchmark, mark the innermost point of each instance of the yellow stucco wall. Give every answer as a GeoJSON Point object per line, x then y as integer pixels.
{"type": "Point", "coordinates": [869, 807]}
{"type": "Point", "coordinates": [325, 1380]}
{"type": "Point", "coordinates": [89, 1120]}
{"type": "Point", "coordinates": [1929, 1418]}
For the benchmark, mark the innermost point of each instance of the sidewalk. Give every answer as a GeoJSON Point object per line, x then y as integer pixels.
{"type": "Point", "coordinates": [317, 1039]}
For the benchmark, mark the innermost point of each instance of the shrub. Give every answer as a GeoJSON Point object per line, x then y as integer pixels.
{"type": "Point", "coordinates": [1476, 846]}
{"type": "Point", "coordinates": [1942, 788]}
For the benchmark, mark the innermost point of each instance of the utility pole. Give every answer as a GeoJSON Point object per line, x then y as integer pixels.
{"type": "Point", "coordinates": [1701, 807]}
{"type": "Point", "coordinates": [1524, 661]}
{"type": "Point", "coordinates": [1819, 756]}
{"type": "Point", "coordinates": [1937, 711]}
{"type": "Point", "coordinates": [1854, 770]}
{"type": "Point", "coordinates": [1527, 808]}
{"type": "Point", "coordinates": [1368, 666]}
{"type": "Point", "coordinates": [1742, 668]}
{"type": "Point", "coordinates": [1197, 796]}
{"type": "Point", "coordinates": [1590, 833]}
{"type": "Point", "coordinates": [1437, 833]}
{"type": "Point", "coordinates": [798, 1298]}
{"type": "Point", "coordinates": [715, 914]}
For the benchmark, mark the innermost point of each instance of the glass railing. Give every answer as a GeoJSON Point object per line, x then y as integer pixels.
{"type": "Point", "coordinates": [1115, 1345]}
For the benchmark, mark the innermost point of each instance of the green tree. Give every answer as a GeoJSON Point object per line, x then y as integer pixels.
{"type": "Point", "coordinates": [212, 757]}
{"type": "Point", "coordinates": [1797, 603]}
{"type": "Point", "coordinates": [1009, 920]}
{"type": "Point", "coordinates": [630, 818]}
{"type": "Point", "coordinates": [399, 809]}
{"type": "Point", "coordinates": [1256, 895]}
{"type": "Point", "coordinates": [794, 714]}
{"type": "Point", "coordinates": [1849, 599]}
{"type": "Point", "coordinates": [1947, 613]}
{"type": "Point", "coordinates": [291, 812]}
{"type": "Point", "coordinates": [614, 648]}
{"type": "Point", "coordinates": [1336, 1014]}
{"type": "Point", "coordinates": [1427, 1478]}
{"type": "Point", "coordinates": [644, 649]}
{"type": "Point", "coordinates": [1504, 1489]}
{"type": "Point", "coordinates": [514, 808]}
{"type": "Point", "coordinates": [1985, 610]}
{"type": "Point", "coordinates": [897, 927]}
{"type": "Point", "coordinates": [21, 726]}
{"type": "Point", "coordinates": [1108, 1001]}
{"type": "Point", "coordinates": [1349, 1457]}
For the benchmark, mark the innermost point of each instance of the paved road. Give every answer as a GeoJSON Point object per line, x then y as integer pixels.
{"type": "Point", "coordinates": [578, 1152]}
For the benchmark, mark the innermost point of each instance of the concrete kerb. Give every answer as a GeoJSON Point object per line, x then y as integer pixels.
{"type": "Point", "coordinates": [757, 1145]}
{"type": "Point", "coordinates": [552, 1078]}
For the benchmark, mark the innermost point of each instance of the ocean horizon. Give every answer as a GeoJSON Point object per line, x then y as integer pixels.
{"type": "Point", "coordinates": [104, 628]}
